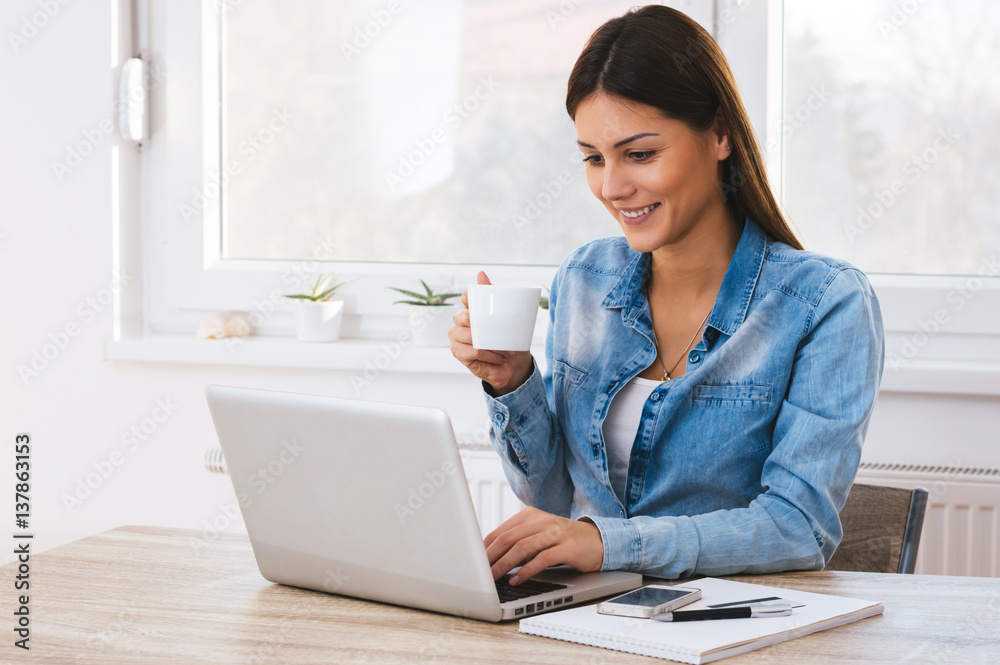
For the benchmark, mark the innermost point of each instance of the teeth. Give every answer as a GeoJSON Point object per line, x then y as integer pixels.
{"type": "Point", "coordinates": [639, 212]}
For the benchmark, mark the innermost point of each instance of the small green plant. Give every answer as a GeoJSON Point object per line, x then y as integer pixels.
{"type": "Point", "coordinates": [428, 299]}
{"type": "Point", "coordinates": [320, 291]}
{"type": "Point", "coordinates": [543, 302]}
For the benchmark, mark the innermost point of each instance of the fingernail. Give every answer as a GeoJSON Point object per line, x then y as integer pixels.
{"type": "Point", "coordinates": [515, 580]}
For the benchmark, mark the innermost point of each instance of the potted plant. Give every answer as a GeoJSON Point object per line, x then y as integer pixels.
{"type": "Point", "coordinates": [430, 314]}
{"type": "Point", "coordinates": [317, 318]}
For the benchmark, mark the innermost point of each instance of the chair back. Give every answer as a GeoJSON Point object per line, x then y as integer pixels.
{"type": "Point", "coordinates": [882, 528]}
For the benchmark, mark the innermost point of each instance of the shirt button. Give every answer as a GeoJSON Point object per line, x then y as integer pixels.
{"type": "Point", "coordinates": [710, 333]}
{"type": "Point", "coordinates": [655, 397]}
{"type": "Point", "coordinates": [695, 357]}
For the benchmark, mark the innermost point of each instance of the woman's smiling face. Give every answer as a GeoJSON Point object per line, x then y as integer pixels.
{"type": "Point", "coordinates": [655, 175]}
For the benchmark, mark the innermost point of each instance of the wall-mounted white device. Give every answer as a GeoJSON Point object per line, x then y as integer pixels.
{"type": "Point", "coordinates": [132, 102]}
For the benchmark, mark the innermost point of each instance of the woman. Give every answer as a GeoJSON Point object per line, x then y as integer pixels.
{"type": "Point", "coordinates": [709, 383]}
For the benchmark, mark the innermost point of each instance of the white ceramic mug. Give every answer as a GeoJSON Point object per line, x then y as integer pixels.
{"type": "Point", "coordinates": [503, 317]}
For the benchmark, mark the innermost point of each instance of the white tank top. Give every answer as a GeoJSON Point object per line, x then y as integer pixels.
{"type": "Point", "coordinates": [621, 426]}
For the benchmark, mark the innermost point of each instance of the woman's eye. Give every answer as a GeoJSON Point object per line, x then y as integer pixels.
{"type": "Point", "coordinates": [641, 155]}
{"type": "Point", "coordinates": [593, 160]}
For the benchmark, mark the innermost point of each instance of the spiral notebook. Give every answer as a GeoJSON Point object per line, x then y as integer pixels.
{"type": "Point", "coordinates": [704, 641]}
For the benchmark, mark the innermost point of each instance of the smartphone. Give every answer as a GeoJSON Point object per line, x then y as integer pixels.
{"type": "Point", "coordinates": [651, 599]}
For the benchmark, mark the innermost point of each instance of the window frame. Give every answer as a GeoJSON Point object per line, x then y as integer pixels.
{"type": "Point", "coordinates": [185, 280]}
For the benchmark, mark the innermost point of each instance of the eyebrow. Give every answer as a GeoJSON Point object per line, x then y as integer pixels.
{"type": "Point", "coordinates": [622, 142]}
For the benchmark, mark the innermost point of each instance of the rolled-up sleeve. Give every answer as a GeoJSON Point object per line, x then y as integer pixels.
{"type": "Point", "coordinates": [525, 433]}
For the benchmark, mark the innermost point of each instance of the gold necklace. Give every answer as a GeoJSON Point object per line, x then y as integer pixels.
{"type": "Point", "coordinates": [666, 373]}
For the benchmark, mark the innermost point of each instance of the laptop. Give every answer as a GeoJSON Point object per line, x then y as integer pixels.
{"type": "Point", "coordinates": [370, 500]}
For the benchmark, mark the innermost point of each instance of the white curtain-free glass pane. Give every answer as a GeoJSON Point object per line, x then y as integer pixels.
{"type": "Point", "coordinates": [891, 121]}
{"type": "Point", "coordinates": [424, 132]}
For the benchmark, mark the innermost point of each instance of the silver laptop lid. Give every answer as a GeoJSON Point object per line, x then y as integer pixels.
{"type": "Point", "coordinates": [356, 498]}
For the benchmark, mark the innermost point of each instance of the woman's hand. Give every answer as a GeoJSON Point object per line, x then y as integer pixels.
{"type": "Point", "coordinates": [505, 371]}
{"type": "Point", "coordinates": [538, 540]}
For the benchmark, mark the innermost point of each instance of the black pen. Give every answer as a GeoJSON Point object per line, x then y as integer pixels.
{"type": "Point", "coordinates": [759, 612]}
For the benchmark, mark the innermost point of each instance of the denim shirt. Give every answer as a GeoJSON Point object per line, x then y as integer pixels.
{"type": "Point", "coordinates": [742, 464]}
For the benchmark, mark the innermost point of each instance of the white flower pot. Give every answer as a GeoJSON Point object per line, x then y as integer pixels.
{"type": "Point", "coordinates": [318, 321]}
{"type": "Point", "coordinates": [430, 324]}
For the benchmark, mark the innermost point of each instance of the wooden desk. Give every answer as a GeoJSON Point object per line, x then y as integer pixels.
{"type": "Point", "coordinates": [142, 595]}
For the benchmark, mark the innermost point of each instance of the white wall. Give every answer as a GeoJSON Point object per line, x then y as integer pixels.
{"type": "Point", "coordinates": [55, 253]}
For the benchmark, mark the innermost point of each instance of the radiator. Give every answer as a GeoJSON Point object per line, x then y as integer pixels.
{"type": "Point", "coordinates": [961, 534]}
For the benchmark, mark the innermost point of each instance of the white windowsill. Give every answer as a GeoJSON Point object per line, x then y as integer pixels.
{"type": "Point", "coordinates": [385, 355]}
{"type": "Point", "coordinates": [950, 377]}
{"type": "Point", "coordinates": [924, 376]}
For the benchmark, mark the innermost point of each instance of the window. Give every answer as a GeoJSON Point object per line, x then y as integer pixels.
{"type": "Point", "coordinates": [885, 163]}
{"type": "Point", "coordinates": [891, 96]}
{"type": "Point", "coordinates": [415, 134]}
{"type": "Point", "coordinates": [504, 186]}
{"type": "Point", "coordinates": [242, 193]}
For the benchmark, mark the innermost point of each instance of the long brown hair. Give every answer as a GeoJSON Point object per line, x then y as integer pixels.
{"type": "Point", "coordinates": [659, 57]}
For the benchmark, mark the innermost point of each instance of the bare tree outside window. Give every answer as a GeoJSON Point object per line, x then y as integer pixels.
{"type": "Point", "coordinates": [435, 132]}
{"type": "Point", "coordinates": [890, 113]}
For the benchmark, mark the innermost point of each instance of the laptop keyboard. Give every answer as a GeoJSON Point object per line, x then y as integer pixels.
{"type": "Point", "coordinates": [525, 589]}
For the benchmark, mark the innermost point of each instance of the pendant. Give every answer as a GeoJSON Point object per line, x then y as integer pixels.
{"type": "Point", "coordinates": [666, 376]}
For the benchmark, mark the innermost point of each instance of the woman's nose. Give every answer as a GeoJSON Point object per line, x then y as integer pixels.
{"type": "Point", "coordinates": [616, 183]}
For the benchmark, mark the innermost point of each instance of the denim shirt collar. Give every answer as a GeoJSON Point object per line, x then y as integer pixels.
{"type": "Point", "coordinates": [734, 296]}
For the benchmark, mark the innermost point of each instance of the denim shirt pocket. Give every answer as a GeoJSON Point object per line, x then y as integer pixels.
{"type": "Point", "coordinates": [739, 395]}
{"type": "Point", "coordinates": [570, 392]}
{"type": "Point", "coordinates": [569, 374]}
{"type": "Point", "coordinates": [745, 408]}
